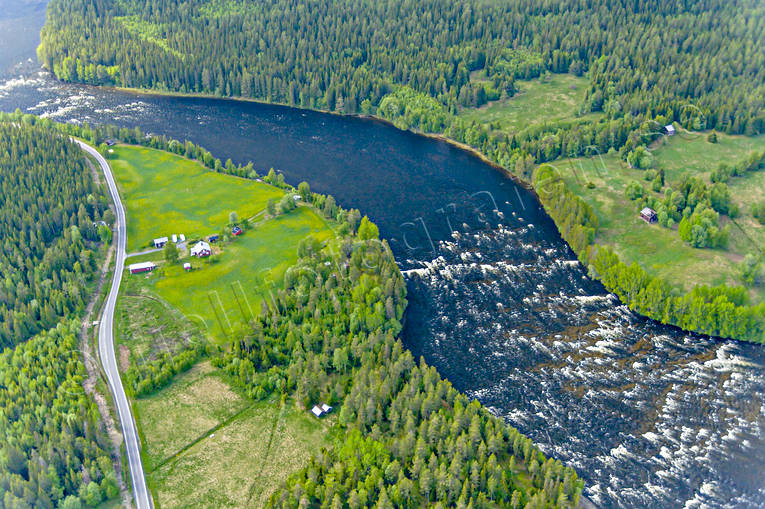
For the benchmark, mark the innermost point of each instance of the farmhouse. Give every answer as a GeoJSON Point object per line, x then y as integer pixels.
{"type": "Point", "coordinates": [648, 215]}
{"type": "Point", "coordinates": [160, 242]}
{"type": "Point", "coordinates": [201, 249]}
{"type": "Point", "coordinates": [669, 129]}
{"type": "Point", "coordinates": [137, 268]}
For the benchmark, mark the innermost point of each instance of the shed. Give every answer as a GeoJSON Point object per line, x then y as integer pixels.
{"type": "Point", "coordinates": [648, 215]}
{"type": "Point", "coordinates": [137, 268]}
{"type": "Point", "coordinates": [316, 411]}
{"type": "Point", "coordinates": [182, 237]}
{"type": "Point", "coordinates": [110, 142]}
{"type": "Point", "coordinates": [187, 266]}
{"type": "Point", "coordinates": [201, 249]}
{"type": "Point", "coordinates": [326, 408]}
{"type": "Point", "coordinates": [175, 238]}
{"type": "Point", "coordinates": [213, 238]}
{"type": "Point", "coordinates": [296, 197]}
{"type": "Point", "coordinates": [160, 242]}
{"type": "Point", "coordinates": [669, 129]}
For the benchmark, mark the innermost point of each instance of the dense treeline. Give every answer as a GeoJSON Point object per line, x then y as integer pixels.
{"type": "Point", "coordinates": [49, 205]}
{"type": "Point", "coordinates": [719, 311]}
{"type": "Point", "coordinates": [409, 439]}
{"type": "Point", "coordinates": [53, 448]}
{"type": "Point", "coordinates": [699, 62]}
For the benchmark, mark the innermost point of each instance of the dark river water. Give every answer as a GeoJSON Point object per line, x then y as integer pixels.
{"type": "Point", "coordinates": [649, 416]}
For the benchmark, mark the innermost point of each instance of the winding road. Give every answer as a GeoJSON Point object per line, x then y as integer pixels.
{"type": "Point", "coordinates": [106, 344]}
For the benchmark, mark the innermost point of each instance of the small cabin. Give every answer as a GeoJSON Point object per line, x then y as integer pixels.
{"type": "Point", "coordinates": [182, 237]}
{"type": "Point", "coordinates": [137, 268]}
{"type": "Point", "coordinates": [160, 242]}
{"type": "Point", "coordinates": [316, 411]}
{"type": "Point", "coordinates": [326, 408]}
{"type": "Point", "coordinates": [201, 249]}
{"type": "Point", "coordinates": [187, 266]}
{"type": "Point", "coordinates": [669, 129]}
{"type": "Point", "coordinates": [213, 238]}
{"type": "Point", "coordinates": [648, 215]}
{"type": "Point", "coordinates": [296, 197]}
{"type": "Point", "coordinates": [110, 142]}
{"type": "Point", "coordinates": [236, 231]}
{"type": "Point", "coordinates": [175, 238]}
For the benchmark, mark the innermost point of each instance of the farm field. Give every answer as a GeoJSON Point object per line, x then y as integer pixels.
{"type": "Point", "coordinates": [165, 193]}
{"type": "Point", "coordinates": [660, 250]}
{"type": "Point", "coordinates": [229, 452]}
{"type": "Point", "coordinates": [535, 102]}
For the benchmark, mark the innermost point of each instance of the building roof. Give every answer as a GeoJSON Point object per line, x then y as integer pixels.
{"type": "Point", "coordinates": [316, 411]}
{"type": "Point", "coordinates": [182, 237]}
{"type": "Point", "coordinates": [160, 239]}
{"type": "Point", "coordinates": [200, 247]}
{"type": "Point", "coordinates": [647, 211]}
{"type": "Point", "coordinates": [140, 266]}
{"type": "Point", "coordinates": [187, 265]}
{"type": "Point", "coordinates": [670, 128]}
{"type": "Point", "coordinates": [326, 408]}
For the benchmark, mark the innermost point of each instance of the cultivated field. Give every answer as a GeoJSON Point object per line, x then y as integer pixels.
{"type": "Point", "coordinates": [165, 194]}
{"type": "Point", "coordinates": [660, 250]}
{"type": "Point", "coordinates": [206, 446]}
{"type": "Point", "coordinates": [536, 102]}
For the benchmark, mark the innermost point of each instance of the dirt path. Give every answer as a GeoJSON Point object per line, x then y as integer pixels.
{"type": "Point", "coordinates": [93, 371]}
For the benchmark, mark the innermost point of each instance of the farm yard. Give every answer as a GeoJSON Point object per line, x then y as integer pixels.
{"type": "Point", "coordinates": [602, 182]}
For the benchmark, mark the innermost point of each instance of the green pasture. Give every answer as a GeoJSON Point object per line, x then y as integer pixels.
{"type": "Point", "coordinates": [164, 194]}
{"type": "Point", "coordinates": [536, 102]}
{"type": "Point", "coordinates": [659, 250]}
{"type": "Point", "coordinates": [205, 445]}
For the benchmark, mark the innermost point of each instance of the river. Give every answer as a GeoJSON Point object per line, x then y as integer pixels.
{"type": "Point", "coordinates": [648, 415]}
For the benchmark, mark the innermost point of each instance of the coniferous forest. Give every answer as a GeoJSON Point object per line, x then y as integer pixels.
{"type": "Point", "coordinates": [49, 208]}
{"type": "Point", "coordinates": [696, 61]}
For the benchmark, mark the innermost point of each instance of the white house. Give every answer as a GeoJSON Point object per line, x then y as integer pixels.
{"type": "Point", "coordinates": [201, 249]}
{"type": "Point", "coordinates": [670, 129]}
{"type": "Point", "coordinates": [160, 242]}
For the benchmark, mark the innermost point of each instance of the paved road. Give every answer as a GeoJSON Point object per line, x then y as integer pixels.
{"type": "Point", "coordinates": [106, 345]}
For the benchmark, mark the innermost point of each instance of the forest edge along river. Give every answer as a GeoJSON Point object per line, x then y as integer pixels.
{"type": "Point", "coordinates": [648, 415]}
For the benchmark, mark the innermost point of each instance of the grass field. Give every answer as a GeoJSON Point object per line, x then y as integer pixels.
{"type": "Point", "coordinates": [657, 249]}
{"type": "Point", "coordinates": [224, 292]}
{"type": "Point", "coordinates": [205, 446]}
{"type": "Point", "coordinates": [535, 103]}
{"type": "Point", "coordinates": [164, 194]}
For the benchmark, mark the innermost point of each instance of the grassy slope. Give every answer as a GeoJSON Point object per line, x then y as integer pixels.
{"type": "Point", "coordinates": [657, 249]}
{"type": "Point", "coordinates": [233, 453]}
{"type": "Point", "coordinates": [535, 103]}
{"type": "Point", "coordinates": [165, 194]}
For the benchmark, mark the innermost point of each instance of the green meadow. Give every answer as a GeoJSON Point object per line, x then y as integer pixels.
{"type": "Point", "coordinates": [660, 250]}
{"type": "Point", "coordinates": [164, 194]}
{"type": "Point", "coordinates": [535, 102]}
{"type": "Point", "coordinates": [204, 445]}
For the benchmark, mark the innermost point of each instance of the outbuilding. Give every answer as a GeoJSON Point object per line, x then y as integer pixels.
{"type": "Point", "coordinates": [669, 129]}
{"type": "Point", "coordinates": [187, 266]}
{"type": "Point", "coordinates": [160, 242]}
{"type": "Point", "coordinates": [137, 268]}
{"type": "Point", "coordinates": [213, 238]}
{"type": "Point", "coordinates": [182, 237]}
{"type": "Point", "coordinates": [175, 238]}
{"type": "Point", "coordinates": [201, 249]}
{"type": "Point", "coordinates": [648, 215]}
{"type": "Point", "coordinates": [316, 411]}
{"type": "Point", "coordinates": [326, 408]}
{"type": "Point", "coordinates": [236, 231]}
